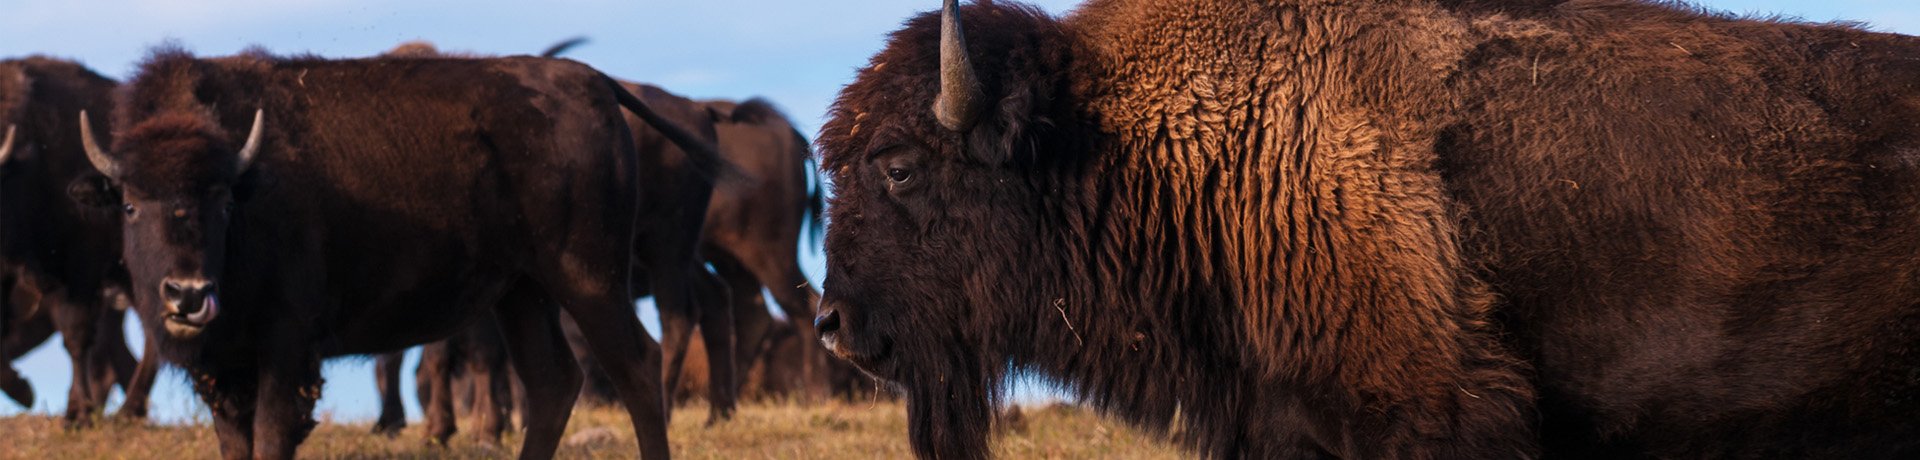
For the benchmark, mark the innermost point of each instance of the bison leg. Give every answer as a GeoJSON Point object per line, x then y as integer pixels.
{"type": "Point", "coordinates": [485, 362]}
{"type": "Point", "coordinates": [288, 388]}
{"type": "Point", "coordinates": [629, 356]}
{"type": "Point", "coordinates": [116, 362]}
{"type": "Point", "coordinates": [232, 405]}
{"type": "Point", "coordinates": [597, 390]}
{"type": "Point", "coordinates": [538, 350]}
{"type": "Point", "coordinates": [76, 325]}
{"type": "Point", "coordinates": [436, 369]}
{"type": "Point", "coordinates": [676, 328]}
{"type": "Point", "coordinates": [22, 336]}
{"type": "Point", "coordinates": [15, 387]}
{"type": "Point", "coordinates": [779, 270]}
{"type": "Point", "coordinates": [751, 321]}
{"type": "Point", "coordinates": [141, 387]}
{"type": "Point", "coordinates": [386, 375]}
{"type": "Point", "coordinates": [716, 329]}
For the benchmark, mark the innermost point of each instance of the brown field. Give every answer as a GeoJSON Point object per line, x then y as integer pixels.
{"type": "Point", "coordinates": [772, 430]}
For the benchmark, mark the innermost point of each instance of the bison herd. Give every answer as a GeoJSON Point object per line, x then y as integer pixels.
{"type": "Point", "coordinates": [362, 206]}
{"type": "Point", "coordinates": [1283, 229]}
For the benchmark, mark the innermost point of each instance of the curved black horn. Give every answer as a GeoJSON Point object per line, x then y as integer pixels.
{"type": "Point", "coordinates": [6, 147]}
{"type": "Point", "coordinates": [99, 157]}
{"type": "Point", "coordinates": [252, 148]}
{"type": "Point", "coordinates": [960, 95]}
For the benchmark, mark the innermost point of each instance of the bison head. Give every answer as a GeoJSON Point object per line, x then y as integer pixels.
{"type": "Point", "coordinates": [176, 174]}
{"type": "Point", "coordinates": [942, 154]}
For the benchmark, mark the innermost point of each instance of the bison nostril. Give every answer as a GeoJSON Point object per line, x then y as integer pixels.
{"type": "Point", "coordinates": [828, 321]}
{"type": "Point", "coordinates": [172, 292]}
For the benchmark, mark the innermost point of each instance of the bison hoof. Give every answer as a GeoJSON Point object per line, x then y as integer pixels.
{"type": "Point", "coordinates": [19, 390]}
{"type": "Point", "coordinates": [389, 428]}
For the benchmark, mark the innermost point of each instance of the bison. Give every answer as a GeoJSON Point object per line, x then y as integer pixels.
{"type": "Point", "coordinates": [280, 211]}
{"type": "Point", "coordinates": [676, 186]}
{"type": "Point", "coordinates": [751, 228]}
{"type": "Point", "coordinates": [58, 251]}
{"type": "Point", "coordinates": [1389, 229]}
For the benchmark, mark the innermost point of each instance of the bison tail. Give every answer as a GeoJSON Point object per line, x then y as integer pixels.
{"type": "Point", "coordinates": [816, 205]}
{"type": "Point", "coordinates": [561, 48]}
{"type": "Point", "coordinates": [704, 156]}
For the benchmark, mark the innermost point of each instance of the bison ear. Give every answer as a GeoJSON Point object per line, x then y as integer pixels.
{"type": "Point", "coordinates": [94, 190]}
{"type": "Point", "coordinates": [251, 183]}
{"type": "Point", "coordinates": [1005, 134]}
{"type": "Point", "coordinates": [716, 115]}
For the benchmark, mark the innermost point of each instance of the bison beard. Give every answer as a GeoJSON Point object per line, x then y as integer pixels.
{"type": "Point", "coordinates": [1395, 229]}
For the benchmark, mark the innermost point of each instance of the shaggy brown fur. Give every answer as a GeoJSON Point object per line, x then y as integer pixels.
{"type": "Point", "coordinates": [57, 244]}
{"type": "Point", "coordinates": [1394, 228]}
{"type": "Point", "coordinates": [393, 202]}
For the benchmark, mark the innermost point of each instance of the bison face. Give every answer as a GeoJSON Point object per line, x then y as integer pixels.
{"type": "Point", "coordinates": [176, 176]}
{"type": "Point", "coordinates": [939, 238]}
{"type": "Point", "coordinates": [919, 249]}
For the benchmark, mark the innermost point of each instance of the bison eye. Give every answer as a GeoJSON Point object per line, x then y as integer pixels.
{"type": "Point", "coordinates": [899, 175]}
{"type": "Point", "coordinates": [129, 210]}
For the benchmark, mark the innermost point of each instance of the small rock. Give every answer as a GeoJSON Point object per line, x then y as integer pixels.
{"type": "Point", "coordinates": [590, 436]}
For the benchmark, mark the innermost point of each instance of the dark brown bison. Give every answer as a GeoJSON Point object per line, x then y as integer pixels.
{"type": "Point", "coordinates": [669, 263]}
{"type": "Point", "coordinates": [1390, 229]}
{"type": "Point", "coordinates": [676, 187]}
{"type": "Point", "coordinates": [777, 371]}
{"type": "Point", "coordinates": [751, 227]}
{"type": "Point", "coordinates": [56, 250]}
{"type": "Point", "coordinates": [751, 237]}
{"type": "Point", "coordinates": [754, 229]}
{"type": "Point", "coordinates": [280, 211]}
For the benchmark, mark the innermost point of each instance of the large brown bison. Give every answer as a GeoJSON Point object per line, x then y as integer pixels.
{"type": "Point", "coordinates": [675, 189]}
{"type": "Point", "coordinates": [751, 235]}
{"type": "Point", "coordinates": [754, 229]}
{"type": "Point", "coordinates": [280, 211]}
{"type": "Point", "coordinates": [58, 252]}
{"type": "Point", "coordinates": [1390, 229]}
{"type": "Point", "coordinates": [751, 229]}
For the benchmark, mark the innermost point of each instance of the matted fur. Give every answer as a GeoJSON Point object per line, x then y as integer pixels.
{"type": "Point", "coordinates": [1395, 228]}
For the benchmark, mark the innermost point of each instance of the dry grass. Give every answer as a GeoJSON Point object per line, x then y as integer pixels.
{"type": "Point", "coordinates": [774, 430]}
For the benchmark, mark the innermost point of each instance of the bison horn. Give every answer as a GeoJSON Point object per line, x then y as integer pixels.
{"type": "Point", "coordinates": [253, 142]}
{"type": "Point", "coordinates": [6, 147]}
{"type": "Point", "coordinates": [99, 157]}
{"type": "Point", "coordinates": [960, 93]}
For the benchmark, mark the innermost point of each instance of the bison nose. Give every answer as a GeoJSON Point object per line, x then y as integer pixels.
{"type": "Point", "coordinates": [828, 321]}
{"type": "Point", "coordinates": [186, 297]}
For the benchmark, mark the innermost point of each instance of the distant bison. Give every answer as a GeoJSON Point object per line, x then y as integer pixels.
{"type": "Point", "coordinates": [1390, 229]}
{"type": "Point", "coordinates": [751, 236]}
{"type": "Point", "coordinates": [60, 255]}
{"type": "Point", "coordinates": [280, 211]}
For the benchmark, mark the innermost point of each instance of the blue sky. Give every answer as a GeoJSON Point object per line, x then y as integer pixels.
{"type": "Point", "coordinates": [796, 53]}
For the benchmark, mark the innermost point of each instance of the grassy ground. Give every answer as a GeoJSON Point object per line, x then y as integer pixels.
{"type": "Point", "coordinates": [774, 430]}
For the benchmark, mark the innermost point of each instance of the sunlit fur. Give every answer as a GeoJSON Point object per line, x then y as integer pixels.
{"type": "Point", "coordinates": [1395, 228]}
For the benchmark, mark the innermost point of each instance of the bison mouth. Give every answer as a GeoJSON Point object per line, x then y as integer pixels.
{"type": "Point", "coordinates": [871, 355]}
{"type": "Point", "coordinates": [185, 323]}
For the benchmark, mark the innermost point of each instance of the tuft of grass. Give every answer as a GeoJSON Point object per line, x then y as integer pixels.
{"type": "Point", "coordinates": [766, 430]}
